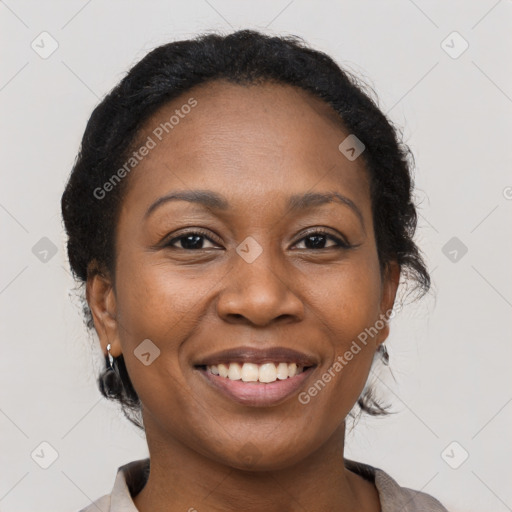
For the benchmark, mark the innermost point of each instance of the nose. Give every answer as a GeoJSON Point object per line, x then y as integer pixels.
{"type": "Point", "coordinates": [259, 293]}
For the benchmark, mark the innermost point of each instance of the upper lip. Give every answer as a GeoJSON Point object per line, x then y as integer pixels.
{"type": "Point", "coordinates": [257, 356]}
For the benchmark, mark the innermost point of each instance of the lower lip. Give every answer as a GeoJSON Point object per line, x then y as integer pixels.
{"type": "Point", "coordinates": [257, 394]}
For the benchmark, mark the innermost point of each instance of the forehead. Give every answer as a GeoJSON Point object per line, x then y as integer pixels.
{"type": "Point", "coordinates": [245, 140]}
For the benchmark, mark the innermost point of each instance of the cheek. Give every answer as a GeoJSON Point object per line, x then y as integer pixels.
{"type": "Point", "coordinates": [347, 307]}
{"type": "Point", "coordinates": [154, 301]}
{"type": "Point", "coordinates": [347, 299]}
{"type": "Point", "coordinates": [165, 306]}
{"type": "Point", "coordinates": [162, 306]}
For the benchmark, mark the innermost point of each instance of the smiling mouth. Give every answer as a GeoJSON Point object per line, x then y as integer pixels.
{"type": "Point", "coordinates": [256, 385]}
{"type": "Point", "coordinates": [265, 373]}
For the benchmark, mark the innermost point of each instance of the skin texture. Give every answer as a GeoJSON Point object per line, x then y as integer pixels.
{"type": "Point", "coordinates": [256, 145]}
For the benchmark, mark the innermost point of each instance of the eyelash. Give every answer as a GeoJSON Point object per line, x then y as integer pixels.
{"type": "Point", "coordinates": [340, 244]}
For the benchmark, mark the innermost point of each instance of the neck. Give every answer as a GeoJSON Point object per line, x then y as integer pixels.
{"type": "Point", "coordinates": [183, 479]}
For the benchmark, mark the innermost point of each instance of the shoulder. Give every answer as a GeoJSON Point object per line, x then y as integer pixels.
{"type": "Point", "coordinates": [403, 498]}
{"type": "Point", "coordinates": [129, 480]}
{"type": "Point", "coordinates": [392, 495]}
{"type": "Point", "coordinates": [102, 503]}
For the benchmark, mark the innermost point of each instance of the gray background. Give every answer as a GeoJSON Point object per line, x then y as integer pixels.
{"type": "Point", "coordinates": [450, 353]}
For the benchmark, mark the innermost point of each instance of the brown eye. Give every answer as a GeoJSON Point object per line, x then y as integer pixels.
{"type": "Point", "coordinates": [192, 240]}
{"type": "Point", "coordinates": [317, 239]}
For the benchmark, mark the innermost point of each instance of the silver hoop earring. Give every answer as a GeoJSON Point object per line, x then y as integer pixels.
{"type": "Point", "coordinates": [110, 381]}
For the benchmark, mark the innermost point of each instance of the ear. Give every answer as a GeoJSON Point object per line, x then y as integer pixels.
{"type": "Point", "coordinates": [102, 303]}
{"type": "Point", "coordinates": [389, 288]}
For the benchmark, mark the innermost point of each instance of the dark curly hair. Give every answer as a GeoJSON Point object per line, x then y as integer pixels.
{"type": "Point", "coordinates": [242, 57]}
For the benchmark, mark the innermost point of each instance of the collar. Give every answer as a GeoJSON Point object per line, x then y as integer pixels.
{"type": "Point", "coordinates": [132, 477]}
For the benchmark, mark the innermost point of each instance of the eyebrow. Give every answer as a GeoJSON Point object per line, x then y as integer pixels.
{"type": "Point", "coordinates": [214, 201]}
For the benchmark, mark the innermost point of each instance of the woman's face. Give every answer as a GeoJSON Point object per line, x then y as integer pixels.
{"type": "Point", "coordinates": [246, 270]}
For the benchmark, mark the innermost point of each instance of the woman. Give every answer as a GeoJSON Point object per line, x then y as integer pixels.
{"type": "Point", "coordinates": [240, 213]}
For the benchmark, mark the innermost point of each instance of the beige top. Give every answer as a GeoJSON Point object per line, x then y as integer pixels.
{"type": "Point", "coordinates": [132, 477]}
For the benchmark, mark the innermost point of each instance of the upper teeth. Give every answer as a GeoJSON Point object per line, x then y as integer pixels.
{"type": "Point", "coordinates": [250, 372]}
